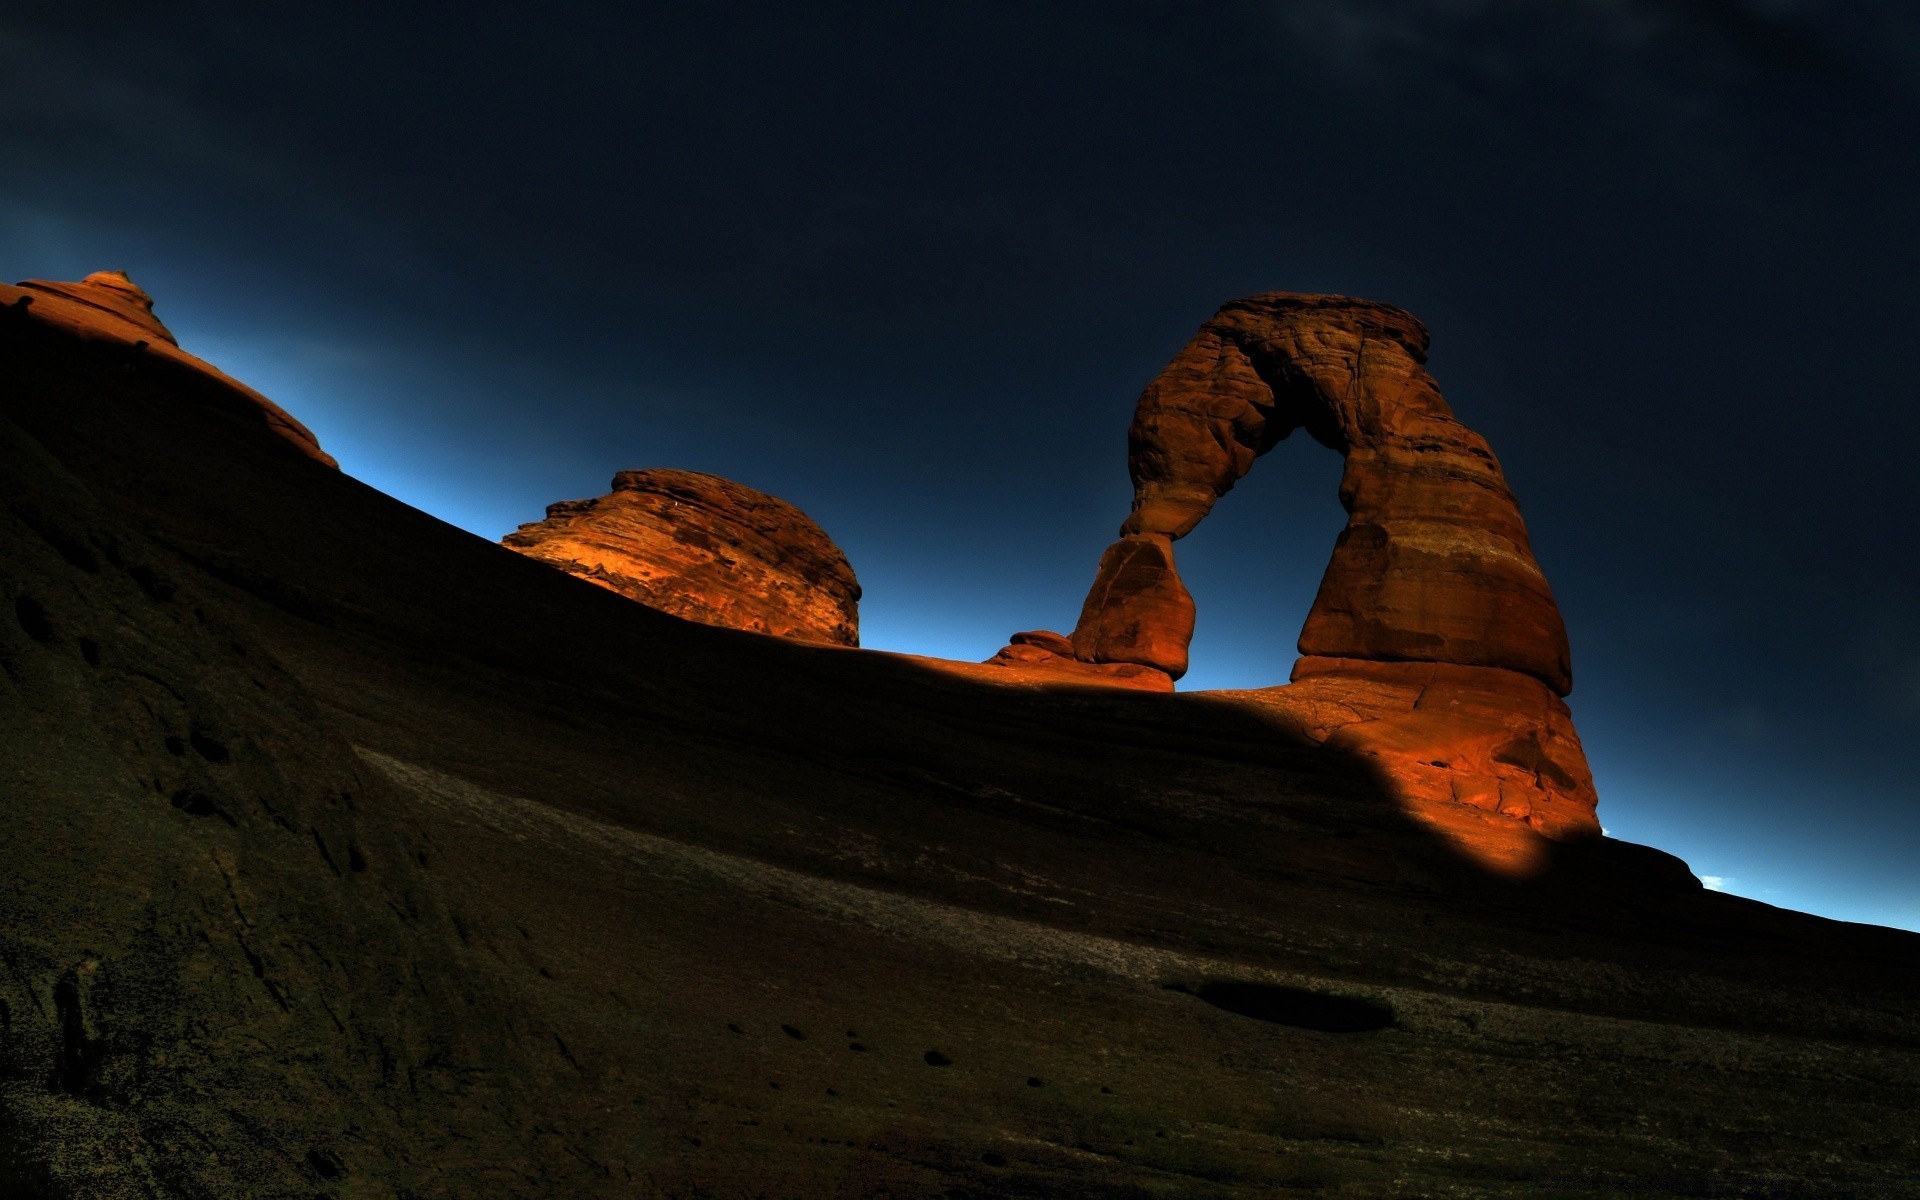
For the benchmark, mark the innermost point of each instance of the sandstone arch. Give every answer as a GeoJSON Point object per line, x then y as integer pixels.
{"type": "Point", "coordinates": [1434, 564]}
{"type": "Point", "coordinates": [1434, 643]}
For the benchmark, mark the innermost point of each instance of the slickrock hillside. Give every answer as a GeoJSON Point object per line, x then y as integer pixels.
{"type": "Point", "coordinates": [707, 549]}
{"type": "Point", "coordinates": [346, 854]}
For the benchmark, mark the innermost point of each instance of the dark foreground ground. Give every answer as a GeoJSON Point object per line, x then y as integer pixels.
{"type": "Point", "coordinates": [345, 854]}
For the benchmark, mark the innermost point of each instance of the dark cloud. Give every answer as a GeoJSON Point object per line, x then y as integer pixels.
{"type": "Point", "coordinates": [1586, 41]}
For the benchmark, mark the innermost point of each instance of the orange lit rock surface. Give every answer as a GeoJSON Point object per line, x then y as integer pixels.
{"type": "Point", "coordinates": [108, 313]}
{"type": "Point", "coordinates": [1440, 735]}
{"type": "Point", "coordinates": [707, 549]}
{"type": "Point", "coordinates": [1434, 644]}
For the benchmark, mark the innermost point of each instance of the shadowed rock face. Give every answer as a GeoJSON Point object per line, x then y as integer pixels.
{"type": "Point", "coordinates": [707, 549]}
{"type": "Point", "coordinates": [1434, 643]}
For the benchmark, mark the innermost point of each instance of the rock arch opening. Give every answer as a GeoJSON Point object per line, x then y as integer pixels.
{"type": "Point", "coordinates": [1254, 565]}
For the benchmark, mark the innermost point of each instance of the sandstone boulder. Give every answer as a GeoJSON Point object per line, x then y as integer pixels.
{"type": "Point", "coordinates": [707, 549]}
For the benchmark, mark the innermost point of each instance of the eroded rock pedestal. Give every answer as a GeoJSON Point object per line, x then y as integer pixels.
{"type": "Point", "coordinates": [1434, 644]}
{"type": "Point", "coordinates": [1487, 742]}
{"type": "Point", "coordinates": [707, 549]}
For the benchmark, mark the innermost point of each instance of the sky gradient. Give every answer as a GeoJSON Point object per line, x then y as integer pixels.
{"type": "Point", "coordinates": [908, 267]}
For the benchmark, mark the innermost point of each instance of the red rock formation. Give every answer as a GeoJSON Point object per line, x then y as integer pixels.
{"type": "Point", "coordinates": [1434, 644]}
{"type": "Point", "coordinates": [107, 310]}
{"type": "Point", "coordinates": [707, 549]}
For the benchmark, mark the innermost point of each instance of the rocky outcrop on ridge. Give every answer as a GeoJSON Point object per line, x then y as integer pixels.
{"type": "Point", "coordinates": [707, 549]}
{"type": "Point", "coordinates": [1434, 645]}
{"type": "Point", "coordinates": [108, 313]}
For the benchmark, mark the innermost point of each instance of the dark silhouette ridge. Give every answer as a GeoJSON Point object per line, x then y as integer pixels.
{"type": "Point", "coordinates": [606, 855]}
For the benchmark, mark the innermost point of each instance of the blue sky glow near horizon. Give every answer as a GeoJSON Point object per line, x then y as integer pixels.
{"type": "Point", "coordinates": [909, 270]}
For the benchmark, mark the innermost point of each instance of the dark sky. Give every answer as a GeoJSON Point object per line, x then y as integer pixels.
{"type": "Point", "coordinates": [908, 266]}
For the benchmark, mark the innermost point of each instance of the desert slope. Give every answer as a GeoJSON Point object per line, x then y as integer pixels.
{"type": "Point", "coordinates": [348, 854]}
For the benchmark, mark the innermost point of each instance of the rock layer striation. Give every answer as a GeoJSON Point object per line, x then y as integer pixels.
{"type": "Point", "coordinates": [707, 549]}
{"type": "Point", "coordinates": [1434, 642]}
